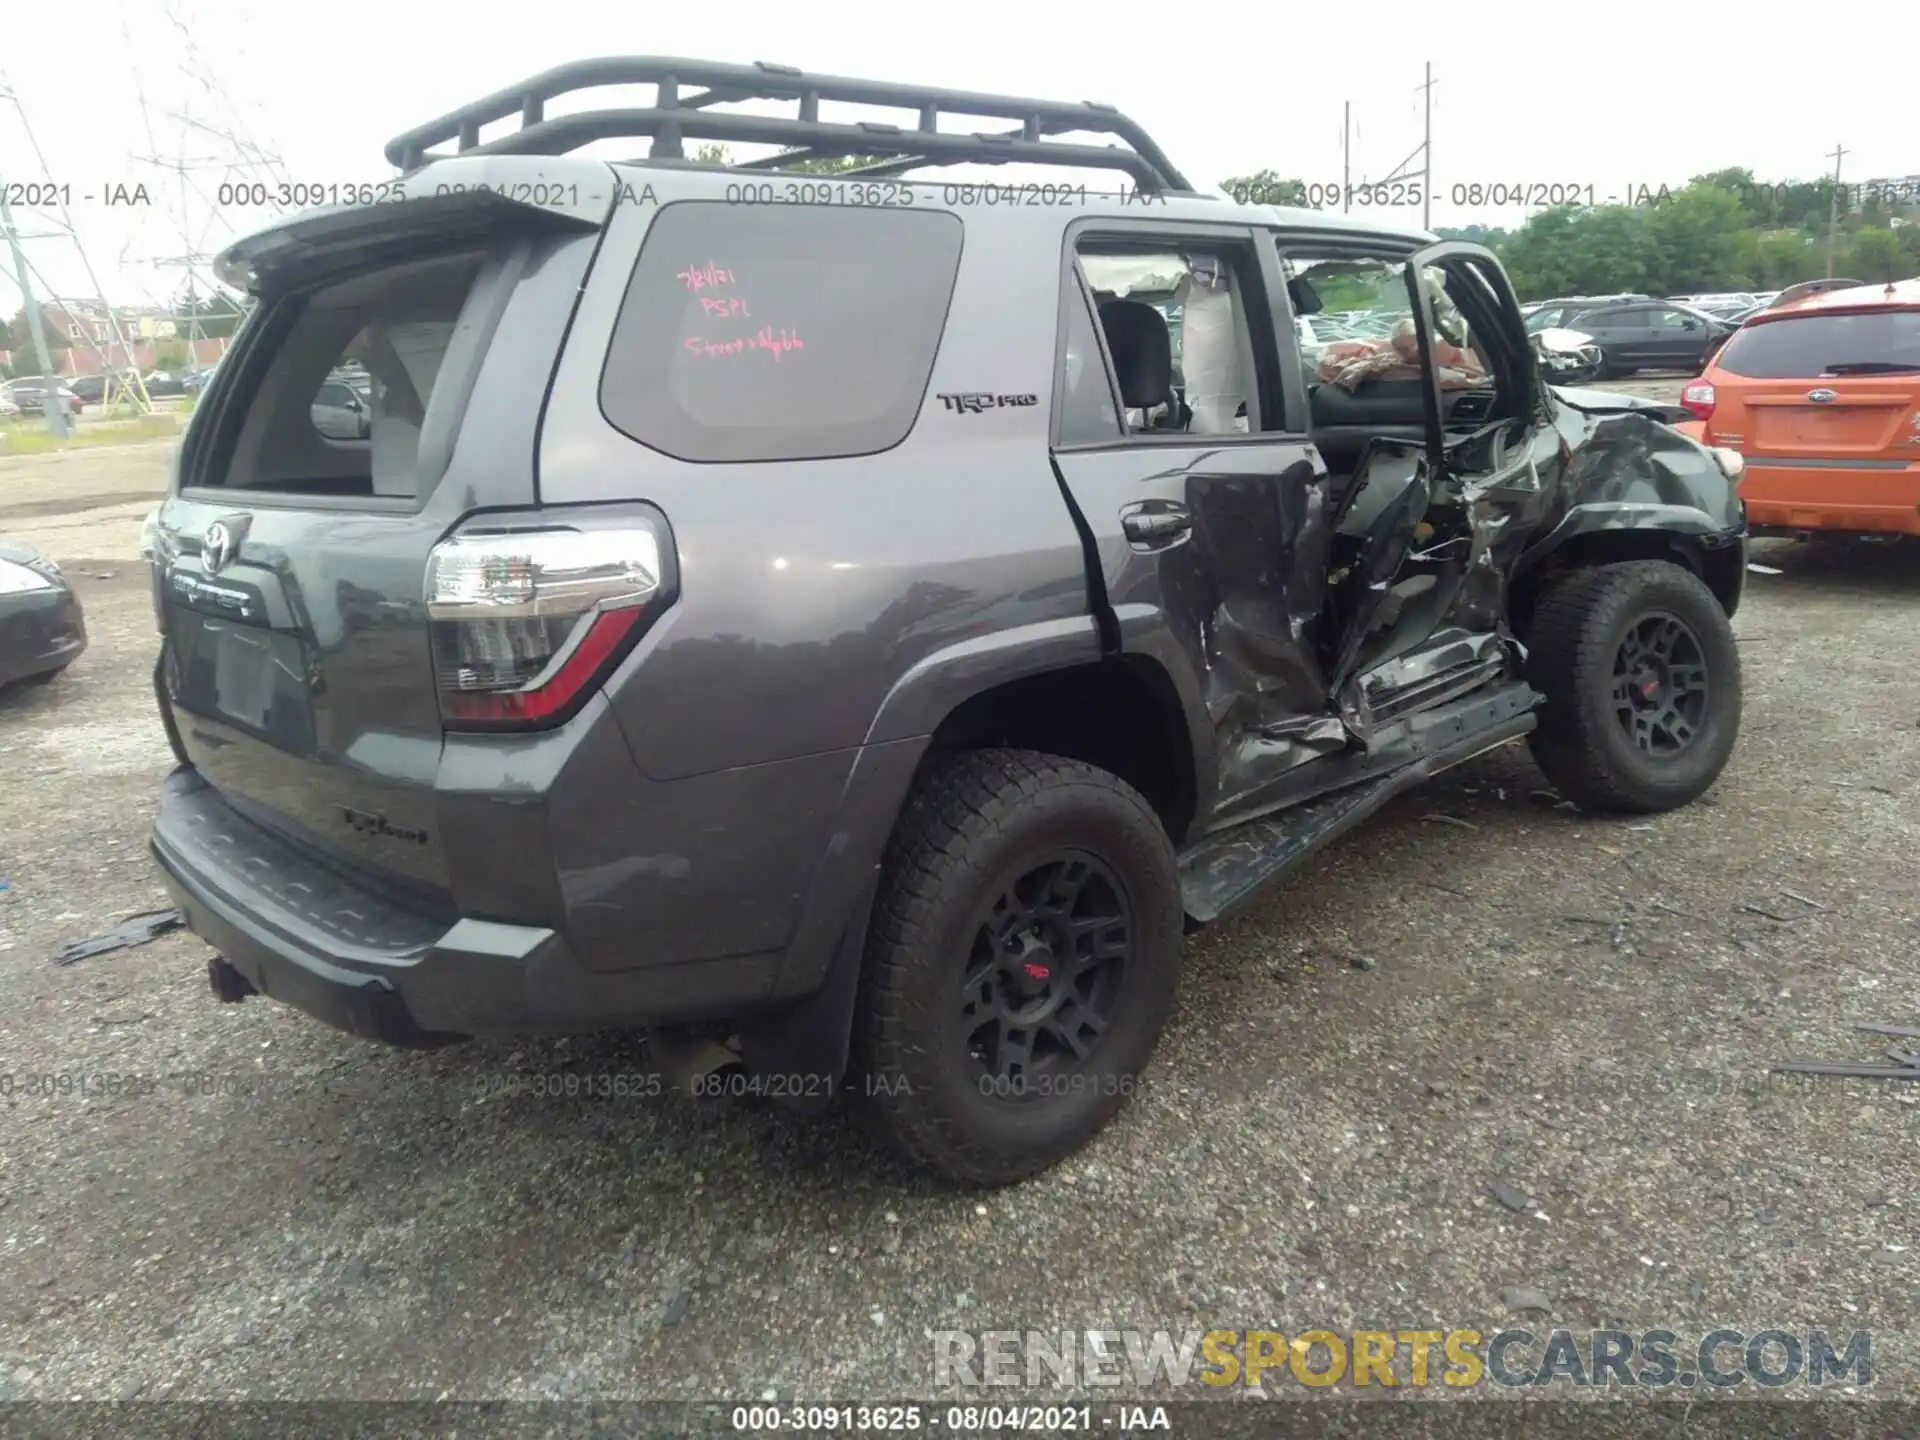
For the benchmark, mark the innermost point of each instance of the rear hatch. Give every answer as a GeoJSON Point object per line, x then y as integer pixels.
{"type": "Point", "coordinates": [1825, 406]}
{"type": "Point", "coordinates": [388, 384]}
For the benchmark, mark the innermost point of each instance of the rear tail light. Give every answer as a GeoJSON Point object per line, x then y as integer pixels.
{"type": "Point", "coordinates": [1697, 400]}
{"type": "Point", "coordinates": [527, 623]}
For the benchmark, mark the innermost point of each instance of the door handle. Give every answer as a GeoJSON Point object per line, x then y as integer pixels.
{"type": "Point", "coordinates": [1155, 527]}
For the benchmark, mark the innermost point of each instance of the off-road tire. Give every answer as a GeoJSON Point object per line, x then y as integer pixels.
{"type": "Point", "coordinates": [975, 820]}
{"type": "Point", "coordinates": [1576, 634]}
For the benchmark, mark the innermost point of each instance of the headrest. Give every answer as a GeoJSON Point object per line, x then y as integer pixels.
{"type": "Point", "coordinates": [1142, 352]}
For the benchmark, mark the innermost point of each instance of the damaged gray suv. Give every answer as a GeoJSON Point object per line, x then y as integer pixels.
{"type": "Point", "coordinates": [827, 623]}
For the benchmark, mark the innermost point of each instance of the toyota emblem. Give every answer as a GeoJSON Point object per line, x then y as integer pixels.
{"type": "Point", "coordinates": [217, 548]}
{"type": "Point", "coordinates": [1821, 397]}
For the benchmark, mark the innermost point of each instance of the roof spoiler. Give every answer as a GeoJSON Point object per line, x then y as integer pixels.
{"type": "Point", "coordinates": [488, 199]}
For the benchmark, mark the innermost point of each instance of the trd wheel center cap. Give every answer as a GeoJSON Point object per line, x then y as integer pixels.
{"type": "Point", "coordinates": [1648, 685]}
{"type": "Point", "coordinates": [1031, 966]}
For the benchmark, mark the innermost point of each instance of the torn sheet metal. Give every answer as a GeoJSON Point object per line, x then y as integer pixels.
{"type": "Point", "coordinates": [135, 930]}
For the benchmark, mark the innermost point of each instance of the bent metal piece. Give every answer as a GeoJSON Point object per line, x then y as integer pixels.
{"type": "Point", "coordinates": [1906, 1064]}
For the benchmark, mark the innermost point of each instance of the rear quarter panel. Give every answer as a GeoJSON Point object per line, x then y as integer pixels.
{"type": "Point", "coordinates": [831, 611]}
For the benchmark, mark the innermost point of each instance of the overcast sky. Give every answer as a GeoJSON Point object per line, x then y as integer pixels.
{"type": "Point", "coordinates": [1612, 96]}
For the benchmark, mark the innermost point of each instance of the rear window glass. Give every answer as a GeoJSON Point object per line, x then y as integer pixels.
{"type": "Point", "coordinates": [780, 332]}
{"type": "Point", "coordinates": [340, 406]}
{"type": "Point", "coordinates": [1806, 347]}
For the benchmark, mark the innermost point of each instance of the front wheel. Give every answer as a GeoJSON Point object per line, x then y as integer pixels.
{"type": "Point", "coordinates": [1021, 963]}
{"type": "Point", "coordinates": [1642, 682]}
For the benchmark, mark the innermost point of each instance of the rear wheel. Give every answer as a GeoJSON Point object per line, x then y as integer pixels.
{"type": "Point", "coordinates": [1023, 960]}
{"type": "Point", "coordinates": [1642, 682]}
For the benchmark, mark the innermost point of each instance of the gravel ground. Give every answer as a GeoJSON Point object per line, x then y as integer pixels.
{"type": "Point", "coordinates": [1479, 991]}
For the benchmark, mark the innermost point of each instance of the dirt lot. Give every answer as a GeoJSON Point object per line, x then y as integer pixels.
{"type": "Point", "coordinates": [1480, 989]}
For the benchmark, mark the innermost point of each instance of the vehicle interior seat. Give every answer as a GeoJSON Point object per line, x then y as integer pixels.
{"type": "Point", "coordinates": [1142, 351]}
{"type": "Point", "coordinates": [404, 361]}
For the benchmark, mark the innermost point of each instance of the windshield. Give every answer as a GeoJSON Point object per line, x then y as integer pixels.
{"type": "Point", "coordinates": [1807, 347]}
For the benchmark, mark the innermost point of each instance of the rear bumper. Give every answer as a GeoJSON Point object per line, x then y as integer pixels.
{"type": "Point", "coordinates": [40, 630]}
{"type": "Point", "coordinates": [304, 935]}
{"type": "Point", "coordinates": [1876, 499]}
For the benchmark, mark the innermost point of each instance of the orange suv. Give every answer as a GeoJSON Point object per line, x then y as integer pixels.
{"type": "Point", "coordinates": [1821, 396]}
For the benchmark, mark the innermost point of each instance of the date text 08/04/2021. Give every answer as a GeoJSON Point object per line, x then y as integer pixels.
{"type": "Point", "coordinates": [774, 1418]}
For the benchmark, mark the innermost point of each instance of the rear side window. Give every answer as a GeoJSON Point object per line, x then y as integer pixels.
{"type": "Point", "coordinates": [780, 332]}
{"type": "Point", "coordinates": [1806, 347]}
{"type": "Point", "coordinates": [1088, 415]}
{"type": "Point", "coordinates": [338, 399]}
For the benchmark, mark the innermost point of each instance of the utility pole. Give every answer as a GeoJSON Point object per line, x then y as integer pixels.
{"type": "Point", "coordinates": [1833, 208]}
{"type": "Point", "coordinates": [1346, 155]}
{"type": "Point", "coordinates": [1426, 158]}
{"type": "Point", "coordinates": [1425, 151]}
{"type": "Point", "coordinates": [51, 403]}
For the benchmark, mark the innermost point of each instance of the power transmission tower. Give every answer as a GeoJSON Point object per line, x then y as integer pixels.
{"type": "Point", "coordinates": [25, 272]}
{"type": "Point", "coordinates": [1426, 157]}
{"type": "Point", "coordinates": [1346, 155]}
{"type": "Point", "coordinates": [52, 406]}
{"type": "Point", "coordinates": [194, 206]}
{"type": "Point", "coordinates": [1424, 154]}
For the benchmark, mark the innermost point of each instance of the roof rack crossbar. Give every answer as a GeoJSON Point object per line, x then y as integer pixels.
{"type": "Point", "coordinates": [899, 164]}
{"type": "Point", "coordinates": [669, 123]}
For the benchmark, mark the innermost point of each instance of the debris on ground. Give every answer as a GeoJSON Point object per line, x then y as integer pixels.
{"type": "Point", "coordinates": [1903, 1064]}
{"type": "Point", "coordinates": [1812, 908]}
{"type": "Point", "coordinates": [1525, 1297]}
{"type": "Point", "coordinates": [1517, 1201]}
{"type": "Point", "coordinates": [1453, 820]}
{"type": "Point", "coordinates": [134, 930]}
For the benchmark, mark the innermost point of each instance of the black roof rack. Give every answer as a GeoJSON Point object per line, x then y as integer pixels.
{"type": "Point", "coordinates": [677, 116]}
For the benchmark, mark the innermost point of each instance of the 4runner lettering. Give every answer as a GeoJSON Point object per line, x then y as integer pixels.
{"type": "Point", "coordinates": [973, 402]}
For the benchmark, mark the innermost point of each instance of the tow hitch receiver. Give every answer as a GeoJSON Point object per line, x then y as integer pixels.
{"type": "Point", "coordinates": [228, 983]}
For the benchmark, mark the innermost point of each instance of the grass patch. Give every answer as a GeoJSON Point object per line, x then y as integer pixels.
{"type": "Point", "coordinates": [28, 434]}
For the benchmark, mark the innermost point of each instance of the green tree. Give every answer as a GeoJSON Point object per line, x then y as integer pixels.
{"type": "Point", "coordinates": [1692, 239]}
{"type": "Point", "coordinates": [1265, 187]}
{"type": "Point", "coordinates": [1786, 257]}
{"type": "Point", "coordinates": [1874, 255]}
{"type": "Point", "coordinates": [1491, 236]}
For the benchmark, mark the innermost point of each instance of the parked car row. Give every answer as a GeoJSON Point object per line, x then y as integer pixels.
{"type": "Point", "coordinates": [27, 393]}
{"type": "Point", "coordinates": [1734, 305]}
{"type": "Point", "coordinates": [30, 392]}
{"type": "Point", "coordinates": [1636, 332]}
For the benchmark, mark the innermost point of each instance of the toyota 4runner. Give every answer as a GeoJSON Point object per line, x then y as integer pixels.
{"type": "Point", "coordinates": [814, 620]}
